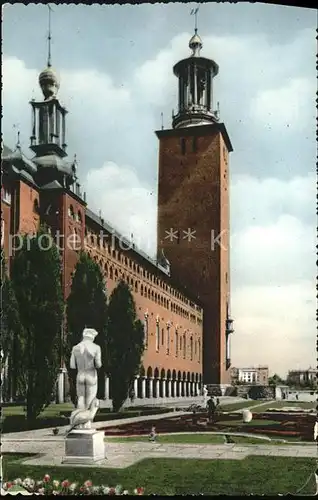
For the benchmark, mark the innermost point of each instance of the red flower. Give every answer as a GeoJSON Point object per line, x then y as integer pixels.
{"type": "Point", "coordinates": [88, 483]}
{"type": "Point", "coordinates": [65, 483]}
{"type": "Point", "coordinates": [140, 491]}
{"type": "Point", "coordinates": [46, 478]}
{"type": "Point", "coordinates": [9, 485]}
{"type": "Point", "coordinates": [81, 489]}
{"type": "Point", "coordinates": [112, 491]}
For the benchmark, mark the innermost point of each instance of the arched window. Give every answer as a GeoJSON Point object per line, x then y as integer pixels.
{"type": "Point", "coordinates": [116, 274]}
{"type": "Point", "coordinates": [168, 338]}
{"type": "Point", "coordinates": [177, 343]}
{"type": "Point", "coordinates": [157, 335]}
{"type": "Point", "coordinates": [141, 290]}
{"type": "Point", "coordinates": [183, 146]}
{"type": "Point", "coordinates": [162, 336]}
{"type": "Point", "coordinates": [184, 346]}
{"type": "Point", "coordinates": [191, 348]}
{"type": "Point", "coordinates": [136, 287]}
{"type": "Point", "coordinates": [111, 274]}
{"type": "Point", "coordinates": [199, 349]}
{"type": "Point", "coordinates": [36, 206]}
{"type": "Point", "coordinates": [71, 211]}
{"type": "Point", "coordinates": [146, 330]}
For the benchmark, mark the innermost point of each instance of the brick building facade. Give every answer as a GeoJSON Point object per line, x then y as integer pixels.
{"type": "Point", "coordinates": [182, 297]}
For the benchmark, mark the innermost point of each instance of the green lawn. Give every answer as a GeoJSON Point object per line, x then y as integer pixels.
{"type": "Point", "coordinates": [258, 475]}
{"type": "Point", "coordinates": [196, 438]}
{"type": "Point", "coordinates": [239, 405]}
{"type": "Point", "coordinates": [51, 411]}
{"type": "Point", "coordinates": [306, 405]}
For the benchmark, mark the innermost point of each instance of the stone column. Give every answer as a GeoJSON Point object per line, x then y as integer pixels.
{"type": "Point", "coordinates": [60, 385]}
{"type": "Point", "coordinates": [180, 388]}
{"type": "Point", "coordinates": [157, 382]}
{"type": "Point", "coordinates": [106, 388]}
{"type": "Point", "coordinates": [169, 389]}
{"type": "Point", "coordinates": [163, 382]}
{"type": "Point", "coordinates": [136, 386]}
{"type": "Point", "coordinates": [174, 388]}
{"type": "Point", "coordinates": [150, 381]}
{"type": "Point", "coordinates": [143, 388]}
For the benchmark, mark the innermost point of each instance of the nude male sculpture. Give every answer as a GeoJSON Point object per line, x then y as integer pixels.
{"type": "Point", "coordinates": [86, 358]}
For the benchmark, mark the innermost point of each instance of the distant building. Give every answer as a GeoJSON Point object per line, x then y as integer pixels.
{"type": "Point", "coordinates": [302, 377]}
{"type": "Point", "coordinates": [251, 375]}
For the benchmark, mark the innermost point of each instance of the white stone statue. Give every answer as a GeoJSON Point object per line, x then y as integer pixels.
{"type": "Point", "coordinates": [205, 395]}
{"type": "Point", "coordinates": [86, 358]}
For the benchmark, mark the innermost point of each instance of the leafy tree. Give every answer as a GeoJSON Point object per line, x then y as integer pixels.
{"type": "Point", "coordinates": [125, 343]}
{"type": "Point", "coordinates": [36, 278]}
{"type": "Point", "coordinates": [12, 340]}
{"type": "Point", "coordinates": [86, 308]}
{"type": "Point", "coordinates": [276, 380]}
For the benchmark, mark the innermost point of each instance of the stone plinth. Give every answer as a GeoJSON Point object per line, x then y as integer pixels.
{"type": "Point", "coordinates": [84, 446]}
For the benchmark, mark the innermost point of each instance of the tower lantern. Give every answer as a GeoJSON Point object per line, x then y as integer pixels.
{"type": "Point", "coordinates": [195, 74]}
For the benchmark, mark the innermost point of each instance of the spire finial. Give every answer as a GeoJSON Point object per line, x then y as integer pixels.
{"type": "Point", "coordinates": [49, 38]}
{"type": "Point", "coordinates": [194, 12]}
{"type": "Point", "coordinates": [16, 126]}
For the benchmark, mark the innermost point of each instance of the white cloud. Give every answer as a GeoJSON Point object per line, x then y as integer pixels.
{"type": "Point", "coordinates": [275, 326]}
{"type": "Point", "coordinates": [125, 203]}
{"type": "Point", "coordinates": [286, 106]}
{"type": "Point", "coordinates": [260, 201]}
{"type": "Point", "coordinates": [279, 253]}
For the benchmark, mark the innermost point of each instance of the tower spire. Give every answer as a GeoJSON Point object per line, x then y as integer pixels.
{"type": "Point", "coordinates": [49, 38]}
{"type": "Point", "coordinates": [194, 12]}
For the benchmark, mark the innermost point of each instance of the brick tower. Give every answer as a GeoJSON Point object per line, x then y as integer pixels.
{"type": "Point", "coordinates": [193, 205]}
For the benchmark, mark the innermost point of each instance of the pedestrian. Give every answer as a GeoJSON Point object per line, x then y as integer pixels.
{"type": "Point", "coordinates": [132, 396]}
{"type": "Point", "coordinates": [211, 409]}
{"type": "Point", "coordinates": [153, 434]}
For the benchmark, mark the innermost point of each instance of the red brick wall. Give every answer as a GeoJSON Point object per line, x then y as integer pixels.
{"type": "Point", "coordinates": [193, 194]}
{"type": "Point", "coordinates": [118, 264]}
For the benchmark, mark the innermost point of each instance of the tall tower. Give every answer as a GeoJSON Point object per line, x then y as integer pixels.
{"type": "Point", "coordinates": [62, 207]}
{"type": "Point", "coordinates": [193, 205]}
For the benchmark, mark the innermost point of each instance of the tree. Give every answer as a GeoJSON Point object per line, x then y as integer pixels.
{"type": "Point", "coordinates": [125, 343]}
{"type": "Point", "coordinates": [36, 278]}
{"type": "Point", "coordinates": [86, 308]}
{"type": "Point", "coordinates": [276, 380]}
{"type": "Point", "coordinates": [12, 340]}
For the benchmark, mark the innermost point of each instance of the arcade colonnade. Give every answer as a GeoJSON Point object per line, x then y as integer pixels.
{"type": "Point", "coordinates": [163, 384]}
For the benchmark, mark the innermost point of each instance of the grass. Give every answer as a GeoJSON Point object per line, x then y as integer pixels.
{"type": "Point", "coordinates": [194, 438]}
{"type": "Point", "coordinates": [252, 475]}
{"type": "Point", "coordinates": [239, 405]}
{"type": "Point", "coordinates": [53, 410]}
{"type": "Point", "coordinates": [306, 405]}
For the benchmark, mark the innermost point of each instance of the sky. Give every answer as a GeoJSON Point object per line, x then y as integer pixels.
{"type": "Point", "coordinates": [115, 66]}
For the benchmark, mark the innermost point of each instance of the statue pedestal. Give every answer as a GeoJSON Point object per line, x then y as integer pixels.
{"type": "Point", "coordinates": [84, 446]}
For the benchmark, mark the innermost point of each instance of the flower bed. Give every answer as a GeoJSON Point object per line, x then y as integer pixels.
{"type": "Point", "coordinates": [49, 486]}
{"type": "Point", "coordinates": [296, 425]}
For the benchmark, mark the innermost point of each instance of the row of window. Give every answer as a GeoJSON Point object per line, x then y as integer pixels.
{"type": "Point", "coordinates": [181, 347]}
{"type": "Point", "coordinates": [146, 275]}
{"type": "Point", "coordinates": [113, 274]}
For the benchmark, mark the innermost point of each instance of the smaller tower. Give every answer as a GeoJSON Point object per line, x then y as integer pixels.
{"type": "Point", "coordinates": [195, 76]}
{"type": "Point", "coordinates": [48, 130]}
